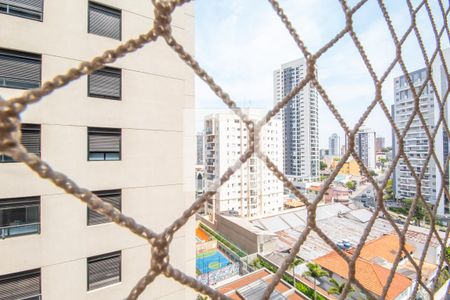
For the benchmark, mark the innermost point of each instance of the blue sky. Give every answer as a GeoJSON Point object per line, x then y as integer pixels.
{"type": "Point", "coordinates": [240, 43]}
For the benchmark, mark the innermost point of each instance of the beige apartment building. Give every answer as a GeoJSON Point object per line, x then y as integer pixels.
{"type": "Point", "coordinates": [253, 190]}
{"type": "Point", "coordinates": [124, 132]}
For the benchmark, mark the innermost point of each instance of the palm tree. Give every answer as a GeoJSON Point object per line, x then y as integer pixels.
{"type": "Point", "coordinates": [293, 264]}
{"type": "Point", "coordinates": [316, 272]}
{"type": "Point", "coordinates": [338, 288]}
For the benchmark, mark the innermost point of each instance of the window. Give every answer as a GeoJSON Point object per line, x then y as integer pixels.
{"type": "Point", "coordinates": [113, 197]}
{"type": "Point", "coordinates": [104, 21]}
{"type": "Point", "coordinates": [105, 83]}
{"type": "Point", "coordinates": [19, 216]}
{"type": "Point", "coordinates": [103, 270]}
{"type": "Point", "coordinates": [30, 9]}
{"type": "Point", "coordinates": [19, 70]}
{"type": "Point", "coordinates": [23, 285]}
{"type": "Point", "coordinates": [104, 144]}
{"type": "Point", "coordinates": [31, 139]}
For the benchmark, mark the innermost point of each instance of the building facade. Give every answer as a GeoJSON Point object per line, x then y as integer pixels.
{"type": "Point", "coordinates": [416, 142]}
{"type": "Point", "coordinates": [253, 190]}
{"type": "Point", "coordinates": [199, 180]}
{"type": "Point", "coordinates": [379, 144]}
{"type": "Point", "coordinates": [334, 145]}
{"type": "Point", "coordinates": [350, 167]}
{"type": "Point", "coordinates": [300, 123]}
{"type": "Point", "coordinates": [442, 147]}
{"type": "Point", "coordinates": [365, 147]}
{"type": "Point", "coordinates": [200, 160]}
{"type": "Point", "coordinates": [119, 132]}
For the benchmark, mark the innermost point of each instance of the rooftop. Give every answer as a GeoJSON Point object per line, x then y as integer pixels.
{"type": "Point", "coordinates": [428, 270]}
{"type": "Point", "coordinates": [252, 286]}
{"type": "Point", "coordinates": [372, 276]}
{"type": "Point", "coordinates": [386, 248]}
{"type": "Point", "coordinates": [315, 188]}
{"type": "Point", "coordinates": [201, 235]}
{"type": "Point", "coordinates": [338, 222]}
{"type": "Point", "coordinates": [420, 235]}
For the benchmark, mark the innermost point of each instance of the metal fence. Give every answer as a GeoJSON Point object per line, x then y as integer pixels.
{"type": "Point", "coordinates": [11, 109]}
{"type": "Point", "coordinates": [213, 277]}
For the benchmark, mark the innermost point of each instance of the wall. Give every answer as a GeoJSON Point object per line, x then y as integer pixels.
{"type": "Point", "coordinates": [247, 240]}
{"type": "Point", "coordinates": [156, 109]}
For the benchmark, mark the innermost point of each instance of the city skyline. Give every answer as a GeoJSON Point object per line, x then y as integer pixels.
{"type": "Point", "coordinates": [224, 48]}
{"type": "Point", "coordinates": [113, 189]}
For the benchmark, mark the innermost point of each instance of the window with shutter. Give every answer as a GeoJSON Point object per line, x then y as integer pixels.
{"type": "Point", "coordinates": [105, 21]}
{"type": "Point", "coordinates": [19, 216]}
{"type": "Point", "coordinates": [103, 270]}
{"type": "Point", "coordinates": [22, 285]}
{"type": "Point", "coordinates": [104, 144]}
{"type": "Point", "coordinates": [30, 9]}
{"type": "Point", "coordinates": [31, 139]}
{"type": "Point", "coordinates": [113, 197]}
{"type": "Point", "coordinates": [105, 83]}
{"type": "Point", "coordinates": [19, 70]}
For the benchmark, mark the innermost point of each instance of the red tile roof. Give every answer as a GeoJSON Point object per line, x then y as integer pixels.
{"type": "Point", "coordinates": [372, 277]}
{"type": "Point", "coordinates": [386, 247]}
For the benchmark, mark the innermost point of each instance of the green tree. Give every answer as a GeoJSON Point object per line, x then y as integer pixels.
{"type": "Point", "coordinates": [443, 277]}
{"type": "Point", "coordinates": [419, 212]}
{"type": "Point", "coordinates": [337, 288]}
{"type": "Point", "coordinates": [315, 271]}
{"type": "Point", "coordinates": [387, 149]}
{"type": "Point", "coordinates": [389, 191]}
{"type": "Point", "coordinates": [323, 165]}
{"type": "Point", "coordinates": [293, 264]}
{"type": "Point", "coordinates": [383, 162]}
{"type": "Point", "coordinates": [351, 185]}
{"type": "Point", "coordinates": [256, 263]}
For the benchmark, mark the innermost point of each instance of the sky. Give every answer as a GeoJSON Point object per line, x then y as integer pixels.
{"type": "Point", "coordinates": [241, 42]}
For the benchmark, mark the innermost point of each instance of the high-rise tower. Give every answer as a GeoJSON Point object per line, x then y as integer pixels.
{"type": "Point", "coordinates": [334, 145]}
{"type": "Point", "coordinates": [300, 122]}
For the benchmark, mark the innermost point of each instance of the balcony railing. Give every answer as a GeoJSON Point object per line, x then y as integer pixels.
{"type": "Point", "coordinates": [17, 230]}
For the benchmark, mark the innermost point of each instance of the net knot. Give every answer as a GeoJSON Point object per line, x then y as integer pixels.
{"type": "Point", "coordinates": [9, 127]}
{"type": "Point", "coordinates": [160, 254]}
{"type": "Point", "coordinates": [163, 18]}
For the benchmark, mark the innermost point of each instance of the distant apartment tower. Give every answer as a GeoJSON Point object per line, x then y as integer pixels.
{"type": "Point", "coordinates": [334, 145]}
{"type": "Point", "coordinates": [323, 153]}
{"type": "Point", "coordinates": [416, 142]}
{"type": "Point", "coordinates": [119, 132]}
{"type": "Point", "coordinates": [300, 122]}
{"type": "Point", "coordinates": [379, 144]}
{"type": "Point", "coordinates": [253, 190]}
{"type": "Point", "coordinates": [200, 159]}
{"type": "Point", "coordinates": [365, 147]}
{"type": "Point", "coordinates": [199, 180]}
{"type": "Point", "coordinates": [344, 148]}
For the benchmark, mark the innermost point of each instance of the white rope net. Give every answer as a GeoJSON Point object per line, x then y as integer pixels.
{"type": "Point", "coordinates": [159, 243]}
